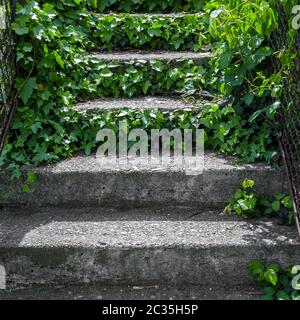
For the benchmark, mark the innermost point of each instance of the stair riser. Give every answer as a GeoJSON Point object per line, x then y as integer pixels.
{"type": "Point", "coordinates": [216, 267]}
{"type": "Point", "coordinates": [184, 32]}
{"type": "Point", "coordinates": [138, 78]}
{"type": "Point", "coordinates": [136, 188]}
{"type": "Point", "coordinates": [144, 6]}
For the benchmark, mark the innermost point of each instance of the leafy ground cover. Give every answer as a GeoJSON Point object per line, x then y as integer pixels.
{"type": "Point", "coordinates": [277, 283]}
{"type": "Point", "coordinates": [53, 37]}
{"type": "Point", "coordinates": [178, 32]}
{"type": "Point", "coordinates": [145, 6]}
{"type": "Point", "coordinates": [248, 203]}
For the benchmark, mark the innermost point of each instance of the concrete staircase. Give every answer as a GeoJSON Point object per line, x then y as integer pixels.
{"type": "Point", "coordinates": [171, 252]}
{"type": "Point", "coordinates": [95, 231]}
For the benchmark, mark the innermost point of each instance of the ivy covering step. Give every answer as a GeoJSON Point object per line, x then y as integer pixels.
{"type": "Point", "coordinates": [132, 5]}
{"type": "Point", "coordinates": [172, 32]}
{"type": "Point", "coordinates": [147, 76]}
{"type": "Point", "coordinates": [54, 73]}
{"type": "Point", "coordinates": [149, 6]}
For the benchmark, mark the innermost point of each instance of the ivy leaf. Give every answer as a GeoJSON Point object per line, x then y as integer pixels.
{"type": "Point", "coordinates": [248, 184]}
{"type": "Point", "coordinates": [25, 188]}
{"type": "Point", "coordinates": [47, 7]}
{"type": "Point", "coordinates": [59, 59]}
{"type": "Point", "coordinates": [31, 177]}
{"type": "Point", "coordinates": [275, 267]}
{"type": "Point", "coordinates": [255, 115]}
{"type": "Point", "coordinates": [35, 127]}
{"type": "Point", "coordinates": [256, 267]}
{"type": "Point", "coordinates": [20, 30]}
{"type": "Point", "coordinates": [27, 90]}
{"type": "Point", "coordinates": [282, 295]}
{"type": "Point", "coordinates": [271, 276]}
{"type": "Point", "coordinates": [295, 296]}
{"type": "Point", "coordinates": [269, 291]}
{"type": "Point", "coordinates": [145, 86]}
{"type": "Point", "coordinates": [225, 59]}
{"type": "Point", "coordinates": [249, 98]}
{"type": "Point", "coordinates": [287, 202]}
{"type": "Point", "coordinates": [276, 205]}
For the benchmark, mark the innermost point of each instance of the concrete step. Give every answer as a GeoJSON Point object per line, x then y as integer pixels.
{"type": "Point", "coordinates": [199, 58]}
{"type": "Point", "coordinates": [87, 181]}
{"type": "Point", "coordinates": [141, 103]}
{"type": "Point", "coordinates": [171, 246]}
{"type": "Point", "coordinates": [129, 293]}
{"type": "Point", "coordinates": [174, 15]}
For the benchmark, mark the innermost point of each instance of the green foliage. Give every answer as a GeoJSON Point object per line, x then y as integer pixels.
{"type": "Point", "coordinates": [242, 29]}
{"type": "Point", "coordinates": [72, 131]}
{"type": "Point", "coordinates": [137, 78]}
{"type": "Point", "coordinates": [145, 6]}
{"type": "Point", "coordinates": [247, 202]}
{"type": "Point", "coordinates": [30, 180]}
{"type": "Point", "coordinates": [276, 283]}
{"type": "Point", "coordinates": [244, 201]}
{"type": "Point", "coordinates": [183, 32]}
{"type": "Point", "coordinates": [228, 132]}
{"type": "Point", "coordinates": [242, 50]}
{"type": "Point", "coordinates": [53, 37]}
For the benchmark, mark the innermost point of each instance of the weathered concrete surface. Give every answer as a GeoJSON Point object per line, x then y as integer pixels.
{"type": "Point", "coordinates": [171, 15]}
{"type": "Point", "coordinates": [66, 247]}
{"type": "Point", "coordinates": [129, 293]}
{"type": "Point", "coordinates": [200, 58]}
{"type": "Point", "coordinates": [84, 181]}
{"type": "Point", "coordinates": [141, 103]}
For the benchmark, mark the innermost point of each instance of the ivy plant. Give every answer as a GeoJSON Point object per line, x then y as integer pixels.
{"type": "Point", "coordinates": [53, 38]}
{"type": "Point", "coordinates": [276, 282]}
{"type": "Point", "coordinates": [248, 203]}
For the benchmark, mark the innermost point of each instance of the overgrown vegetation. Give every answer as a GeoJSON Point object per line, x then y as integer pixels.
{"type": "Point", "coordinates": [122, 31]}
{"type": "Point", "coordinates": [136, 78]}
{"type": "Point", "coordinates": [145, 6]}
{"type": "Point", "coordinates": [248, 202]}
{"type": "Point", "coordinates": [53, 37]}
{"type": "Point", "coordinates": [277, 283]}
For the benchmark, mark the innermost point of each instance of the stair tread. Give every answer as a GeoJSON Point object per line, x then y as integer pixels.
{"type": "Point", "coordinates": [99, 228]}
{"type": "Point", "coordinates": [213, 162]}
{"type": "Point", "coordinates": [141, 103]}
{"type": "Point", "coordinates": [111, 292]}
{"type": "Point", "coordinates": [162, 15]}
{"type": "Point", "coordinates": [133, 55]}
